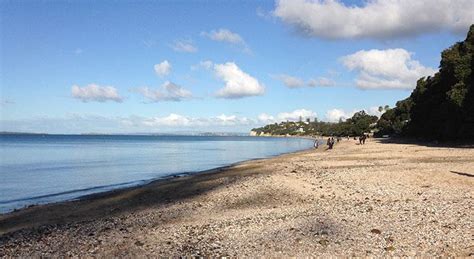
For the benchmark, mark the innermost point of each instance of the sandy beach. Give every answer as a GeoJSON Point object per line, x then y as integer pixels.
{"type": "Point", "coordinates": [377, 199]}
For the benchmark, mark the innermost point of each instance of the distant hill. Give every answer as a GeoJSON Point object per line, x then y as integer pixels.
{"type": "Point", "coordinates": [442, 106]}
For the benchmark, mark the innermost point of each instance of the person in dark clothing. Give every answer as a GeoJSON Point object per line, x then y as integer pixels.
{"type": "Point", "coordinates": [330, 143]}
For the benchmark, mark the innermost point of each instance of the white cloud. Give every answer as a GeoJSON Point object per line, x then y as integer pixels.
{"type": "Point", "coordinates": [175, 120]}
{"type": "Point", "coordinates": [334, 115]}
{"type": "Point", "coordinates": [296, 115]}
{"type": "Point", "coordinates": [266, 118]}
{"type": "Point", "coordinates": [230, 120]}
{"type": "Point", "coordinates": [375, 111]}
{"type": "Point", "coordinates": [296, 82]}
{"type": "Point", "coordinates": [321, 81]}
{"type": "Point", "coordinates": [206, 64]}
{"type": "Point", "coordinates": [226, 119]}
{"type": "Point", "coordinates": [390, 68]}
{"type": "Point", "coordinates": [224, 35]}
{"type": "Point", "coordinates": [86, 123]}
{"type": "Point", "coordinates": [172, 92]}
{"type": "Point", "coordinates": [184, 46]}
{"type": "Point", "coordinates": [170, 120]}
{"type": "Point", "coordinates": [222, 120]}
{"type": "Point", "coordinates": [96, 93]}
{"type": "Point", "coordinates": [381, 19]}
{"type": "Point", "coordinates": [290, 81]}
{"type": "Point", "coordinates": [163, 68]}
{"type": "Point", "coordinates": [238, 84]}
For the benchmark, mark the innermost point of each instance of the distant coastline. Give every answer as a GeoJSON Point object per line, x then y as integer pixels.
{"type": "Point", "coordinates": [230, 134]}
{"type": "Point", "coordinates": [21, 133]}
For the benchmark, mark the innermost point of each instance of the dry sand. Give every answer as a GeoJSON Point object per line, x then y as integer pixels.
{"type": "Point", "coordinates": [376, 199]}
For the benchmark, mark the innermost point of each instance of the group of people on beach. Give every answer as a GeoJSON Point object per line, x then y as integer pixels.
{"type": "Point", "coordinates": [330, 141]}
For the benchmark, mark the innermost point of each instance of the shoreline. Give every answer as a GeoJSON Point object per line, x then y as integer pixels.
{"type": "Point", "coordinates": [147, 184]}
{"type": "Point", "coordinates": [137, 183]}
{"type": "Point", "coordinates": [378, 199]}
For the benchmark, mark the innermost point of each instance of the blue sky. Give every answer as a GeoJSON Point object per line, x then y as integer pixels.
{"type": "Point", "coordinates": [163, 66]}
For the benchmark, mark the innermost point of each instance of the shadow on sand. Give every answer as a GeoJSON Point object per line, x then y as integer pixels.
{"type": "Point", "coordinates": [463, 174]}
{"type": "Point", "coordinates": [119, 202]}
{"type": "Point", "coordinates": [440, 144]}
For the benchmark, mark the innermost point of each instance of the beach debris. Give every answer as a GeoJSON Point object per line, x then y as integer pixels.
{"type": "Point", "coordinates": [323, 242]}
{"type": "Point", "coordinates": [375, 231]}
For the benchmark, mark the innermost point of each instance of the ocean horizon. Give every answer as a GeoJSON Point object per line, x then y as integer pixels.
{"type": "Point", "coordinates": [46, 168]}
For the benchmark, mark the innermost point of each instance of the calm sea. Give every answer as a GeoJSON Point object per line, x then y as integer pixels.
{"type": "Point", "coordinates": [36, 169]}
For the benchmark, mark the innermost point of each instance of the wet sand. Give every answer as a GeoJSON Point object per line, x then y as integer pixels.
{"type": "Point", "coordinates": [377, 199]}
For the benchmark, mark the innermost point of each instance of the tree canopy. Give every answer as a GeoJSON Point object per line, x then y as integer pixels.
{"type": "Point", "coordinates": [441, 106]}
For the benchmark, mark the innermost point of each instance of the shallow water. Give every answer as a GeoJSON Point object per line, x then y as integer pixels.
{"type": "Point", "coordinates": [36, 169]}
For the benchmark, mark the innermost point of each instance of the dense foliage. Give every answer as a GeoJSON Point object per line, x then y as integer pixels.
{"type": "Point", "coordinates": [394, 121]}
{"type": "Point", "coordinates": [360, 123]}
{"type": "Point", "coordinates": [442, 106]}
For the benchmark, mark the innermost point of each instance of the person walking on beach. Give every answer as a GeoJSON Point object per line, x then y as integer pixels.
{"type": "Point", "coordinates": [316, 143]}
{"type": "Point", "coordinates": [329, 143]}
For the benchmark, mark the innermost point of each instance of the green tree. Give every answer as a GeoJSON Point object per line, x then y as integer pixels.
{"type": "Point", "coordinates": [441, 106]}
